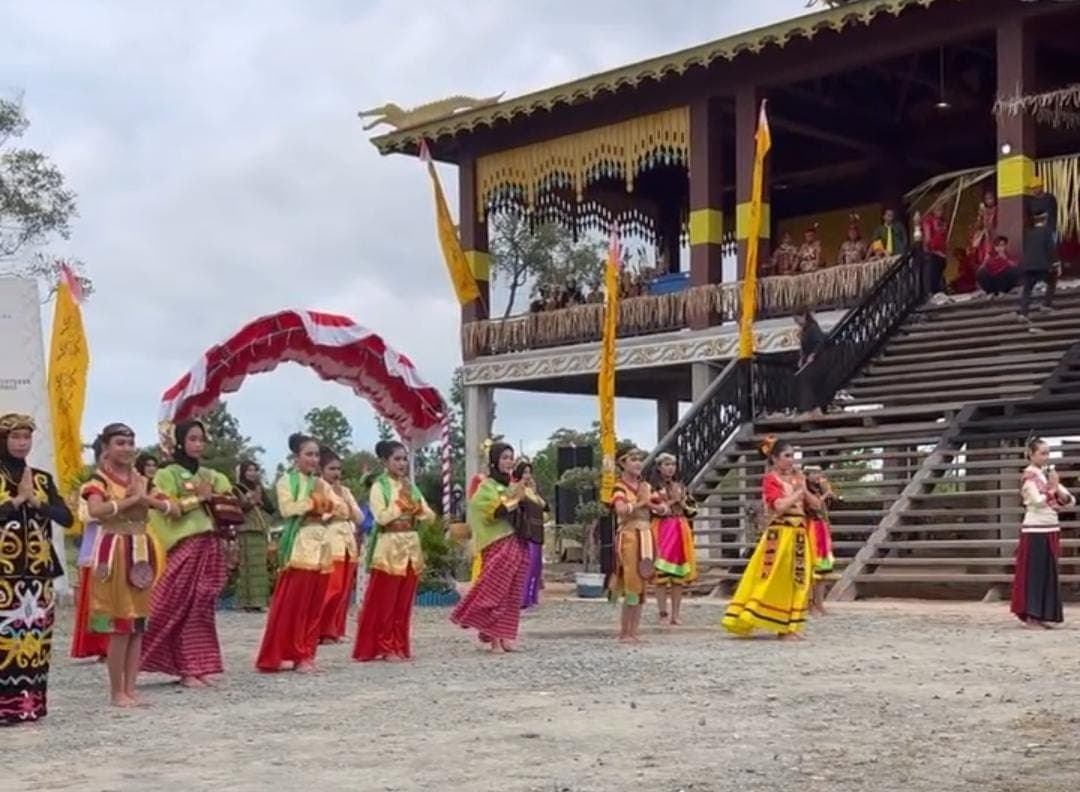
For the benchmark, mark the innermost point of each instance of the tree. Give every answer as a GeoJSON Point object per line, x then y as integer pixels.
{"type": "Point", "coordinates": [226, 446]}
{"type": "Point", "coordinates": [545, 256]}
{"type": "Point", "coordinates": [329, 426]}
{"type": "Point", "coordinates": [384, 429]}
{"type": "Point", "coordinates": [34, 202]}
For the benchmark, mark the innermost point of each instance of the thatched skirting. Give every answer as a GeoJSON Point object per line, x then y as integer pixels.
{"type": "Point", "coordinates": [777, 296]}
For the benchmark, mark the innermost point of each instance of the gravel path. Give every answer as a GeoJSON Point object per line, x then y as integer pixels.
{"type": "Point", "coordinates": [884, 696]}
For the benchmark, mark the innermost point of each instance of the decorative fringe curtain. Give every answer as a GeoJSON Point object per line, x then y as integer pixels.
{"type": "Point", "coordinates": [1061, 178]}
{"type": "Point", "coordinates": [1059, 108]}
{"type": "Point", "coordinates": [573, 161]}
{"type": "Point", "coordinates": [776, 296]}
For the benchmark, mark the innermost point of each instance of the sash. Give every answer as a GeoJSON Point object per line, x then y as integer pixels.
{"type": "Point", "coordinates": [292, 525]}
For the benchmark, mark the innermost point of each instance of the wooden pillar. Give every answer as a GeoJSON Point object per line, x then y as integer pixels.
{"type": "Point", "coordinates": [1015, 134]}
{"type": "Point", "coordinates": [474, 240]}
{"type": "Point", "coordinates": [747, 109]}
{"type": "Point", "coordinates": [706, 196]}
{"type": "Point", "coordinates": [667, 415]}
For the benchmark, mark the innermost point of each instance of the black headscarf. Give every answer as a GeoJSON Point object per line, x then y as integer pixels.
{"type": "Point", "coordinates": [180, 455]}
{"type": "Point", "coordinates": [496, 451]}
{"type": "Point", "coordinates": [8, 424]}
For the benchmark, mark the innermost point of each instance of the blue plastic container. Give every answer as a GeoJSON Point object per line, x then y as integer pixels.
{"type": "Point", "coordinates": [669, 284]}
{"type": "Point", "coordinates": [437, 599]}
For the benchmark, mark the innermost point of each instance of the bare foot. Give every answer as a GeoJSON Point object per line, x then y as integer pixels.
{"type": "Point", "coordinates": [192, 682]}
{"type": "Point", "coordinates": [207, 681]}
{"type": "Point", "coordinates": [792, 637]}
{"type": "Point", "coordinates": [123, 701]}
{"type": "Point", "coordinates": [101, 660]}
{"type": "Point", "coordinates": [1046, 625]}
{"type": "Point", "coordinates": [509, 646]}
{"type": "Point", "coordinates": [395, 658]}
{"type": "Point", "coordinates": [676, 622]}
{"type": "Point", "coordinates": [665, 620]}
{"type": "Point", "coordinates": [818, 610]}
{"type": "Point", "coordinates": [497, 647]}
{"type": "Point", "coordinates": [138, 701]}
{"type": "Point", "coordinates": [306, 667]}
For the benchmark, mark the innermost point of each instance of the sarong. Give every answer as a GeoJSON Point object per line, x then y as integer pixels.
{"type": "Point", "coordinates": [26, 623]}
{"type": "Point", "coordinates": [339, 593]}
{"type": "Point", "coordinates": [292, 625]}
{"type": "Point", "coordinates": [1036, 592]}
{"type": "Point", "coordinates": [676, 562]}
{"type": "Point", "coordinates": [774, 591]}
{"type": "Point", "coordinates": [493, 604]}
{"type": "Point", "coordinates": [182, 637]}
{"type": "Point", "coordinates": [530, 595]}
{"type": "Point", "coordinates": [85, 643]}
{"type": "Point", "coordinates": [384, 622]}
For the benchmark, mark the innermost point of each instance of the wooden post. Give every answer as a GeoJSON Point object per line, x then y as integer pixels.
{"type": "Point", "coordinates": [474, 240]}
{"type": "Point", "coordinates": [706, 197]}
{"type": "Point", "coordinates": [1015, 134]}
{"type": "Point", "coordinates": [747, 107]}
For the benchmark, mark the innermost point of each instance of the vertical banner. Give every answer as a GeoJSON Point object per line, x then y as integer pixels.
{"type": "Point", "coordinates": [763, 142]}
{"type": "Point", "coordinates": [606, 381]}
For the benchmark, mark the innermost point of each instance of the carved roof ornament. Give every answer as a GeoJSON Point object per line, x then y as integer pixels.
{"type": "Point", "coordinates": [401, 118]}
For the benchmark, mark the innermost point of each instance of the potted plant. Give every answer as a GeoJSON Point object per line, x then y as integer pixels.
{"type": "Point", "coordinates": [437, 585]}
{"type": "Point", "coordinates": [583, 483]}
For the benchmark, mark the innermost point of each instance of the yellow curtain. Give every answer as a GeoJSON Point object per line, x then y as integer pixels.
{"type": "Point", "coordinates": [69, 362]}
{"type": "Point", "coordinates": [763, 141]}
{"type": "Point", "coordinates": [456, 264]}
{"type": "Point", "coordinates": [606, 381]}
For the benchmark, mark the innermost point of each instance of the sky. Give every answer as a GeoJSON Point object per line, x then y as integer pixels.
{"type": "Point", "coordinates": [222, 173]}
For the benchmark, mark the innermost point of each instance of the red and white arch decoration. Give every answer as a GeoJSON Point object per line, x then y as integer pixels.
{"type": "Point", "coordinates": [334, 347]}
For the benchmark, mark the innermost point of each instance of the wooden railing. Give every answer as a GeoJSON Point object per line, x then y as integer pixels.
{"type": "Point", "coordinates": [834, 287]}
{"type": "Point", "coordinates": [709, 423]}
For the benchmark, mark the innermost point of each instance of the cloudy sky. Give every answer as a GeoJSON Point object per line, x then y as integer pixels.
{"type": "Point", "coordinates": [222, 172]}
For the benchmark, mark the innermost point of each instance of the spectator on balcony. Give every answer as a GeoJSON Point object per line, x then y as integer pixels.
{"type": "Point", "coordinates": [810, 251]}
{"type": "Point", "coordinates": [998, 274]}
{"type": "Point", "coordinates": [853, 250]}
{"type": "Point", "coordinates": [935, 233]}
{"type": "Point", "coordinates": [785, 258]}
{"type": "Point", "coordinates": [1039, 265]}
{"type": "Point", "coordinates": [811, 341]}
{"type": "Point", "coordinates": [891, 234]}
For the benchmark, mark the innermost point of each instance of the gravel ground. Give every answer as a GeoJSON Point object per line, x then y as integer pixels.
{"type": "Point", "coordinates": [884, 696]}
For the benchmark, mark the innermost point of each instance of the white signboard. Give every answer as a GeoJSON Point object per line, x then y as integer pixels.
{"type": "Point", "coordinates": [22, 374]}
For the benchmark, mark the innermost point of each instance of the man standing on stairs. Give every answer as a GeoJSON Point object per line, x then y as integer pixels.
{"type": "Point", "coordinates": [811, 340]}
{"type": "Point", "coordinates": [1039, 265]}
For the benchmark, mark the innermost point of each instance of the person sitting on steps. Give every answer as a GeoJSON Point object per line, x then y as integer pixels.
{"type": "Point", "coordinates": [998, 274]}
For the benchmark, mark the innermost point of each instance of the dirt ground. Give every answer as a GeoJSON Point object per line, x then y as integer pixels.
{"type": "Point", "coordinates": [883, 696]}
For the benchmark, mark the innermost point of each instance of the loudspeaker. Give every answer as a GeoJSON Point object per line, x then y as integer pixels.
{"type": "Point", "coordinates": [605, 530]}
{"type": "Point", "coordinates": [565, 504]}
{"type": "Point", "coordinates": [568, 457]}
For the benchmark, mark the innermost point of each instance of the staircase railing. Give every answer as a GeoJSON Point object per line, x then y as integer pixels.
{"type": "Point", "coordinates": [714, 417]}
{"type": "Point", "coordinates": [1058, 383]}
{"type": "Point", "coordinates": [864, 329]}
{"type": "Point", "coordinates": [775, 387]}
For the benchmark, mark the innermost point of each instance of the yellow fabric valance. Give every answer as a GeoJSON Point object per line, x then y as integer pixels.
{"type": "Point", "coordinates": [623, 150]}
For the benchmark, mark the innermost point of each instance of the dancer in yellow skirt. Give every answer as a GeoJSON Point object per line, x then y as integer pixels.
{"type": "Point", "coordinates": [634, 554]}
{"type": "Point", "coordinates": [126, 560]}
{"type": "Point", "coordinates": [774, 592]}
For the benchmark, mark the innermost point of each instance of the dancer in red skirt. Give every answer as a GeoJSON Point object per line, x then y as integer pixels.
{"type": "Point", "coordinates": [84, 642]}
{"type": "Point", "coordinates": [394, 559]}
{"type": "Point", "coordinates": [181, 639]}
{"type": "Point", "coordinates": [1036, 592]}
{"type": "Point", "coordinates": [341, 537]}
{"type": "Point", "coordinates": [308, 505]}
{"type": "Point", "coordinates": [493, 605]}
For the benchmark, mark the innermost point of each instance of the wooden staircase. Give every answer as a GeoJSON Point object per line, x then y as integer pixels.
{"type": "Point", "coordinates": [925, 510]}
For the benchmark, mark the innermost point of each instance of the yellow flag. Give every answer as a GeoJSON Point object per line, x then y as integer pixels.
{"type": "Point", "coordinates": [69, 362]}
{"type": "Point", "coordinates": [606, 382]}
{"type": "Point", "coordinates": [460, 275]}
{"type": "Point", "coordinates": [763, 142]}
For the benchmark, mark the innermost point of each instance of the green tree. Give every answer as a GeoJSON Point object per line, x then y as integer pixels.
{"type": "Point", "coordinates": [35, 204]}
{"type": "Point", "coordinates": [546, 255]}
{"type": "Point", "coordinates": [329, 426]}
{"type": "Point", "coordinates": [226, 445]}
{"type": "Point", "coordinates": [384, 429]}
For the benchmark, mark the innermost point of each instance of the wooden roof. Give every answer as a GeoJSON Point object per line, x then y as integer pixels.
{"type": "Point", "coordinates": [585, 89]}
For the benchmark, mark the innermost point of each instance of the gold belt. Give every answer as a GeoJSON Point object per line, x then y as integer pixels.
{"type": "Point", "coordinates": [400, 526]}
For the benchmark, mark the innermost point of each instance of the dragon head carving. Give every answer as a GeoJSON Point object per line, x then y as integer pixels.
{"type": "Point", "coordinates": [383, 114]}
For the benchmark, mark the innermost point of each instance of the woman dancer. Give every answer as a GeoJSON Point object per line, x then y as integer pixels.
{"type": "Point", "coordinates": [493, 605]}
{"type": "Point", "coordinates": [676, 563]}
{"type": "Point", "coordinates": [774, 591]}
{"type": "Point", "coordinates": [341, 536]}
{"type": "Point", "coordinates": [394, 559]}
{"type": "Point", "coordinates": [86, 643]}
{"type": "Point", "coordinates": [253, 539]}
{"type": "Point", "coordinates": [29, 504]}
{"type": "Point", "coordinates": [820, 532]}
{"type": "Point", "coordinates": [634, 550]}
{"type": "Point", "coordinates": [146, 465]}
{"type": "Point", "coordinates": [126, 561]}
{"type": "Point", "coordinates": [1036, 592]}
{"type": "Point", "coordinates": [529, 525]}
{"type": "Point", "coordinates": [181, 639]}
{"type": "Point", "coordinates": [308, 505]}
